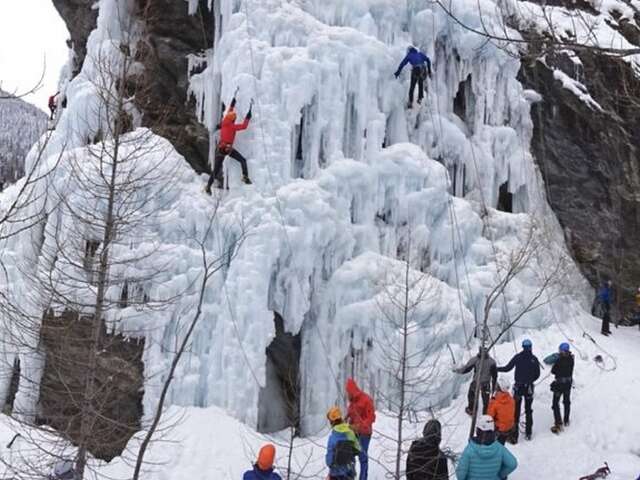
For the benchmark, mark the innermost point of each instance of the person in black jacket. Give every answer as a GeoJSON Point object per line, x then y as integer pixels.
{"type": "Point", "coordinates": [527, 372]}
{"type": "Point", "coordinates": [425, 460]}
{"type": "Point", "coordinates": [561, 386]}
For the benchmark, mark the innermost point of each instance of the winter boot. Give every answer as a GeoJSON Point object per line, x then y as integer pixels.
{"type": "Point", "coordinates": [469, 411]}
{"type": "Point", "coordinates": [556, 428]}
{"type": "Point", "coordinates": [207, 189]}
{"type": "Point", "coordinates": [246, 180]}
{"type": "Point", "coordinates": [527, 436]}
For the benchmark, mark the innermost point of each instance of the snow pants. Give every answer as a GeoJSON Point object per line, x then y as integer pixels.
{"type": "Point", "coordinates": [485, 393]}
{"type": "Point", "coordinates": [606, 321]}
{"type": "Point", "coordinates": [363, 457]}
{"type": "Point", "coordinates": [219, 161]}
{"type": "Point", "coordinates": [417, 78]}
{"type": "Point", "coordinates": [561, 390]}
{"type": "Point", "coordinates": [523, 391]}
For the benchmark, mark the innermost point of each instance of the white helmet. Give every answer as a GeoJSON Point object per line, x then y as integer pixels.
{"type": "Point", "coordinates": [485, 423]}
{"type": "Point", "coordinates": [504, 384]}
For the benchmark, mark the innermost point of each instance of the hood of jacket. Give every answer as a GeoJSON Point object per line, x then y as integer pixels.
{"type": "Point", "coordinates": [432, 433]}
{"type": "Point", "coordinates": [503, 398]}
{"type": "Point", "coordinates": [485, 451]}
{"type": "Point", "coordinates": [353, 391]}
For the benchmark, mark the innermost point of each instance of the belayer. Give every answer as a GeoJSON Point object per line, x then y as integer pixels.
{"type": "Point", "coordinates": [420, 68]}
{"type": "Point", "coordinates": [484, 373]}
{"type": "Point", "coordinates": [527, 372]}
{"type": "Point", "coordinates": [228, 130]}
{"type": "Point", "coordinates": [361, 415]}
{"type": "Point", "coordinates": [342, 447]}
{"type": "Point", "coordinates": [563, 363]}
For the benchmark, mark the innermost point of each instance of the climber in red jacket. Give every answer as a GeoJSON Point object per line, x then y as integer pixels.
{"type": "Point", "coordinates": [361, 414]}
{"type": "Point", "coordinates": [228, 130]}
{"type": "Point", "coordinates": [53, 104]}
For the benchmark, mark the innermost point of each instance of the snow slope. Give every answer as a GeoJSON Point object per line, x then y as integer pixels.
{"type": "Point", "coordinates": [209, 443]}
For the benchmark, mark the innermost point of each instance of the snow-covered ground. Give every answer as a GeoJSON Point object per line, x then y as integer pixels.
{"type": "Point", "coordinates": [209, 443]}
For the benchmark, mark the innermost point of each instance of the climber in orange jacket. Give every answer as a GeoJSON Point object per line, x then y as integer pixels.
{"type": "Point", "coordinates": [502, 409]}
{"type": "Point", "coordinates": [361, 414]}
{"type": "Point", "coordinates": [228, 130]}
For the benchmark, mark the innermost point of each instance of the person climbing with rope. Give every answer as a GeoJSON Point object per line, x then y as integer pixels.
{"type": "Point", "coordinates": [563, 363]}
{"type": "Point", "coordinates": [420, 69]}
{"type": "Point", "coordinates": [527, 372]}
{"type": "Point", "coordinates": [228, 129]}
{"type": "Point", "coordinates": [53, 104]}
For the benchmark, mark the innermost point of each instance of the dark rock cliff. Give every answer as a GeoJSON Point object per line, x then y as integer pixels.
{"type": "Point", "coordinates": [589, 161]}
{"type": "Point", "coordinates": [170, 35]}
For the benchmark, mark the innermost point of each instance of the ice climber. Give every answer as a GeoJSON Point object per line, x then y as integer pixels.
{"type": "Point", "coordinates": [425, 460]}
{"type": "Point", "coordinates": [561, 387]}
{"type": "Point", "coordinates": [527, 372]}
{"type": "Point", "coordinates": [53, 104]}
{"type": "Point", "coordinates": [263, 468]}
{"type": "Point", "coordinates": [502, 409]}
{"type": "Point", "coordinates": [228, 130]}
{"type": "Point", "coordinates": [484, 458]}
{"type": "Point", "coordinates": [360, 415]}
{"type": "Point", "coordinates": [420, 68]}
{"type": "Point", "coordinates": [64, 470]}
{"type": "Point", "coordinates": [342, 447]}
{"type": "Point", "coordinates": [484, 369]}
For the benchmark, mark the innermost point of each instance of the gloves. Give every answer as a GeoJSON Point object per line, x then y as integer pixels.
{"type": "Point", "coordinates": [397, 74]}
{"type": "Point", "coordinates": [233, 103]}
{"type": "Point", "coordinates": [249, 115]}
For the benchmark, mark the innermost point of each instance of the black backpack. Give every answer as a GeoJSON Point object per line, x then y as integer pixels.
{"type": "Point", "coordinates": [345, 453]}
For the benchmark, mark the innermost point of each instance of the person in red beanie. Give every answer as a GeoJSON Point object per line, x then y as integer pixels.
{"type": "Point", "coordinates": [263, 468]}
{"type": "Point", "coordinates": [361, 414]}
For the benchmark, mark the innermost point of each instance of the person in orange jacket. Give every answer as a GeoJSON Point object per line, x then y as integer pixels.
{"type": "Point", "coordinates": [502, 409]}
{"type": "Point", "coordinates": [228, 130]}
{"type": "Point", "coordinates": [361, 414]}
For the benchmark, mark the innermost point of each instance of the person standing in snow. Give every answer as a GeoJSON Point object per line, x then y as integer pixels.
{"type": "Point", "coordinates": [527, 372]}
{"type": "Point", "coordinates": [425, 460]}
{"type": "Point", "coordinates": [360, 415]}
{"type": "Point", "coordinates": [342, 447]}
{"type": "Point", "coordinates": [561, 387]}
{"type": "Point", "coordinates": [228, 130]}
{"type": "Point", "coordinates": [263, 468]}
{"type": "Point", "coordinates": [53, 104]}
{"type": "Point", "coordinates": [502, 409]}
{"type": "Point", "coordinates": [484, 370]}
{"type": "Point", "coordinates": [484, 458]}
{"type": "Point", "coordinates": [602, 307]}
{"type": "Point", "coordinates": [420, 68]}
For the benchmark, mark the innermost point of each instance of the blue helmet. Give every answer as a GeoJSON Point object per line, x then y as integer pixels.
{"type": "Point", "coordinates": [564, 347]}
{"type": "Point", "coordinates": [526, 343]}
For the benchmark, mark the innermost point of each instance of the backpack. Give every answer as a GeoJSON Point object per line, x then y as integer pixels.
{"type": "Point", "coordinates": [345, 453]}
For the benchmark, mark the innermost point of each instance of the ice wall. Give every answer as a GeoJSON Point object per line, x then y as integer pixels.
{"type": "Point", "coordinates": [347, 186]}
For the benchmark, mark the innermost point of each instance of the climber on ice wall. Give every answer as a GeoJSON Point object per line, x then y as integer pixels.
{"type": "Point", "coordinates": [361, 415]}
{"type": "Point", "coordinates": [420, 68]}
{"type": "Point", "coordinates": [228, 130]}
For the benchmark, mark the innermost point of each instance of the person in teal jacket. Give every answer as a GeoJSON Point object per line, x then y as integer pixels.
{"type": "Point", "coordinates": [484, 458]}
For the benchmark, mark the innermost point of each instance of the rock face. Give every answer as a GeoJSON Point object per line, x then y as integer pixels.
{"type": "Point", "coordinates": [119, 381]}
{"type": "Point", "coordinates": [170, 36]}
{"type": "Point", "coordinates": [80, 19]}
{"type": "Point", "coordinates": [588, 157]}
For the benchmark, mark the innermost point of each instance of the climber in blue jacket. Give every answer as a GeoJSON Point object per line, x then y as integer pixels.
{"type": "Point", "coordinates": [420, 68]}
